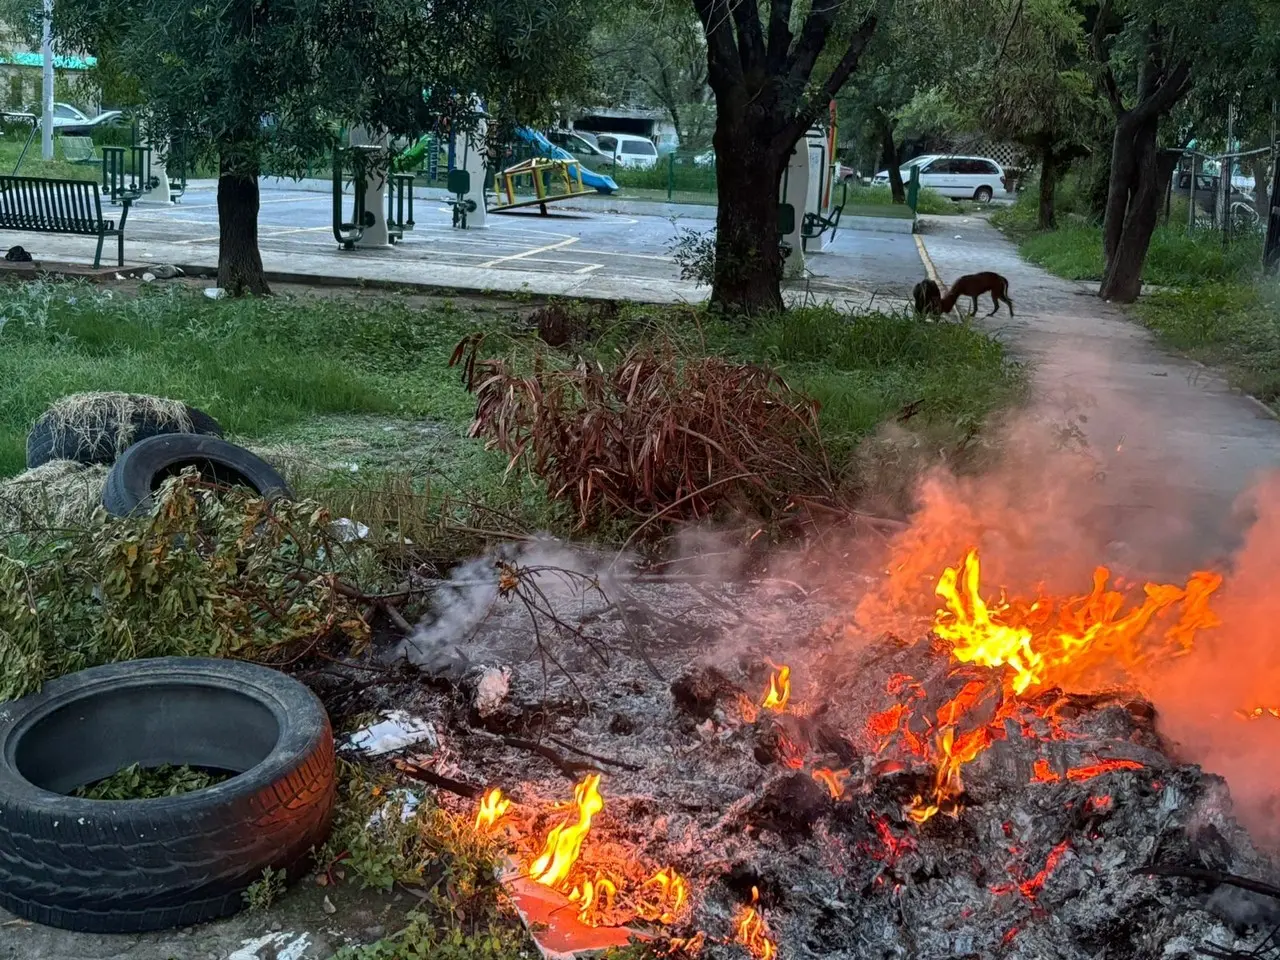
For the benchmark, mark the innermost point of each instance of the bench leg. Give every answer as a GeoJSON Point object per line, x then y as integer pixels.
{"type": "Point", "coordinates": [120, 252]}
{"type": "Point", "coordinates": [97, 257]}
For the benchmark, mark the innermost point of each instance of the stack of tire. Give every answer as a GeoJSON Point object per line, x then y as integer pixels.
{"type": "Point", "coordinates": [144, 440]}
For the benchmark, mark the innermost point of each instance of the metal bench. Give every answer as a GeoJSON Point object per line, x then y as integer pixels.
{"type": "Point", "coordinates": [42, 205]}
{"type": "Point", "coordinates": [79, 150]}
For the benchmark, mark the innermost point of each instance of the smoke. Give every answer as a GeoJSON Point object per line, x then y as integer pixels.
{"type": "Point", "coordinates": [446, 643]}
{"type": "Point", "coordinates": [1204, 697]}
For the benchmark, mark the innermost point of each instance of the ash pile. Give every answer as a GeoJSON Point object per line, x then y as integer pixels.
{"type": "Point", "coordinates": [824, 794]}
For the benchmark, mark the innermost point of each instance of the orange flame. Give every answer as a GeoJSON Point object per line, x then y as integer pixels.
{"type": "Point", "coordinates": [779, 690]}
{"type": "Point", "coordinates": [564, 842]}
{"type": "Point", "coordinates": [1035, 643]}
{"type": "Point", "coordinates": [492, 807]}
{"type": "Point", "coordinates": [753, 931]}
{"type": "Point", "coordinates": [594, 899]}
{"type": "Point", "coordinates": [663, 897]}
{"type": "Point", "coordinates": [833, 780]}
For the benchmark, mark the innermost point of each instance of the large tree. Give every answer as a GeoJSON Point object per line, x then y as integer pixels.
{"type": "Point", "coordinates": [251, 82]}
{"type": "Point", "coordinates": [773, 66]}
{"type": "Point", "coordinates": [1149, 53]}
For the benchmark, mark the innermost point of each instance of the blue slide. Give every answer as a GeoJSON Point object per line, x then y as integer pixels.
{"type": "Point", "coordinates": [546, 148]}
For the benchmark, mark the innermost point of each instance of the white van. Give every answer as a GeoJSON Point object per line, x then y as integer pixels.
{"type": "Point", "coordinates": [960, 178]}
{"type": "Point", "coordinates": [629, 150]}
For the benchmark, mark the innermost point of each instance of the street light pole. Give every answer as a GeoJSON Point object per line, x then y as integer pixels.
{"type": "Point", "coordinates": [46, 113]}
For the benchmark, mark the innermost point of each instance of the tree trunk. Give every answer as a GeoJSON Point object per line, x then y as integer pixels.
{"type": "Point", "coordinates": [1133, 207]}
{"type": "Point", "coordinates": [239, 260]}
{"type": "Point", "coordinates": [1048, 184]}
{"type": "Point", "coordinates": [889, 156]}
{"type": "Point", "coordinates": [748, 267]}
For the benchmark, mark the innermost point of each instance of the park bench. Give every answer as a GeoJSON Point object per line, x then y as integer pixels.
{"type": "Point", "coordinates": [42, 205]}
{"type": "Point", "coordinates": [79, 150]}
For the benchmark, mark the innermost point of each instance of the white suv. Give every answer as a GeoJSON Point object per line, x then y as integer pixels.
{"type": "Point", "coordinates": [960, 178]}
{"type": "Point", "coordinates": [628, 150]}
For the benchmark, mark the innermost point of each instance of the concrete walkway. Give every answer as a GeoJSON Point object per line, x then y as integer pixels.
{"type": "Point", "coordinates": [1177, 446]}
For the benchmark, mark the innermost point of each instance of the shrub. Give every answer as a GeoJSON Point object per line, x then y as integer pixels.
{"type": "Point", "coordinates": [656, 434]}
{"type": "Point", "coordinates": [203, 575]}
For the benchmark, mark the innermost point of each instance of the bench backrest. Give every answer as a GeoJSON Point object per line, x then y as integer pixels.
{"type": "Point", "coordinates": [77, 149]}
{"type": "Point", "coordinates": [46, 204]}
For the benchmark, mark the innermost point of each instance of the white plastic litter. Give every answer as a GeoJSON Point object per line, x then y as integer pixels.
{"type": "Point", "coordinates": [345, 529]}
{"type": "Point", "coordinates": [214, 293]}
{"type": "Point", "coordinates": [278, 946]}
{"type": "Point", "coordinates": [401, 803]}
{"type": "Point", "coordinates": [492, 689]}
{"type": "Point", "coordinates": [397, 731]}
{"type": "Point", "coordinates": [958, 237]}
{"type": "Point", "coordinates": [148, 277]}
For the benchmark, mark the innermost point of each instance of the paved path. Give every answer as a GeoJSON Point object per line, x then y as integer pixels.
{"type": "Point", "coordinates": [1178, 447]}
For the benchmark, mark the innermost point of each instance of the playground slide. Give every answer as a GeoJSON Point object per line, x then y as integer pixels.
{"type": "Point", "coordinates": [546, 148]}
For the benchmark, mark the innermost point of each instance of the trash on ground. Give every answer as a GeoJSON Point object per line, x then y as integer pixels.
{"type": "Point", "coordinates": [397, 731]}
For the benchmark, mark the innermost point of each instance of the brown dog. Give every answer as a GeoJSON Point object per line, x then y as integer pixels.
{"type": "Point", "coordinates": [974, 285]}
{"type": "Point", "coordinates": [927, 297]}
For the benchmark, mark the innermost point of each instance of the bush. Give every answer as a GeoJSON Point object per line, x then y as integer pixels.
{"type": "Point", "coordinates": [673, 171]}
{"type": "Point", "coordinates": [653, 434]}
{"type": "Point", "coordinates": [227, 576]}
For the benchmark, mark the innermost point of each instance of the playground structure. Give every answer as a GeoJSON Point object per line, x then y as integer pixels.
{"type": "Point", "coordinates": [542, 174]}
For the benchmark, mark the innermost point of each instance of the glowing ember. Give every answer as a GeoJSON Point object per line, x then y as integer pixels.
{"type": "Point", "coordinates": [663, 897]}
{"type": "Point", "coordinates": [1036, 643]}
{"type": "Point", "coordinates": [753, 932]}
{"type": "Point", "coordinates": [1257, 713]}
{"type": "Point", "coordinates": [1098, 804]}
{"type": "Point", "coordinates": [564, 842]}
{"type": "Point", "coordinates": [492, 806]}
{"type": "Point", "coordinates": [1030, 888]}
{"type": "Point", "coordinates": [779, 690]}
{"type": "Point", "coordinates": [833, 780]}
{"type": "Point", "coordinates": [1089, 771]}
{"type": "Point", "coordinates": [1043, 773]}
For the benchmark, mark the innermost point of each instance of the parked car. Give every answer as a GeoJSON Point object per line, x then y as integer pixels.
{"type": "Point", "coordinates": [960, 178]}
{"type": "Point", "coordinates": [629, 150]}
{"type": "Point", "coordinates": [582, 146]}
{"type": "Point", "coordinates": [71, 120]}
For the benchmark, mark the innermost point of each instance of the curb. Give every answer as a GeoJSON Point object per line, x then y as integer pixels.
{"type": "Point", "coordinates": [926, 260]}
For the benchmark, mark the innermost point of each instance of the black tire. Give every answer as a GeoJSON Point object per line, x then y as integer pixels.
{"type": "Point", "coordinates": [983, 194]}
{"type": "Point", "coordinates": [108, 866]}
{"type": "Point", "coordinates": [45, 443]}
{"type": "Point", "coordinates": [142, 468]}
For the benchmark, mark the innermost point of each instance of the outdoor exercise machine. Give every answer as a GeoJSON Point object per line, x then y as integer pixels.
{"type": "Point", "coordinates": [382, 201]}
{"type": "Point", "coordinates": [808, 216]}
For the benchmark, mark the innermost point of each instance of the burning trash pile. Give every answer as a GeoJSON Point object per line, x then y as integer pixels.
{"type": "Point", "coordinates": [994, 788]}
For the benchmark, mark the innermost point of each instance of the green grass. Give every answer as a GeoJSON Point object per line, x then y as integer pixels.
{"type": "Point", "coordinates": [1175, 258]}
{"type": "Point", "coordinates": [1234, 326]}
{"type": "Point", "coordinates": [354, 399]}
{"type": "Point", "coordinates": [34, 166]}
{"type": "Point", "coordinates": [866, 369]}
{"type": "Point", "coordinates": [258, 366]}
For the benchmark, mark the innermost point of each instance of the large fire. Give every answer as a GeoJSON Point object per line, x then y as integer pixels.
{"type": "Point", "coordinates": [1030, 645]}
{"type": "Point", "coordinates": [1037, 641]}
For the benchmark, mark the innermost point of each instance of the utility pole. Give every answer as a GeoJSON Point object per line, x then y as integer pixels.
{"type": "Point", "coordinates": [46, 113]}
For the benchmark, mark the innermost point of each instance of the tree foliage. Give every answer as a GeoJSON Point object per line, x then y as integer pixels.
{"type": "Point", "coordinates": [656, 57]}
{"type": "Point", "coordinates": [274, 82]}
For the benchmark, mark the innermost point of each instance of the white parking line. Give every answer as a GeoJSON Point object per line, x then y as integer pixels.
{"type": "Point", "coordinates": [531, 253]}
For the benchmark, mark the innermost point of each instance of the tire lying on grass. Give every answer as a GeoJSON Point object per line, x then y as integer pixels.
{"type": "Point", "coordinates": [128, 866]}
{"type": "Point", "coordinates": [98, 427]}
{"type": "Point", "coordinates": [143, 467]}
